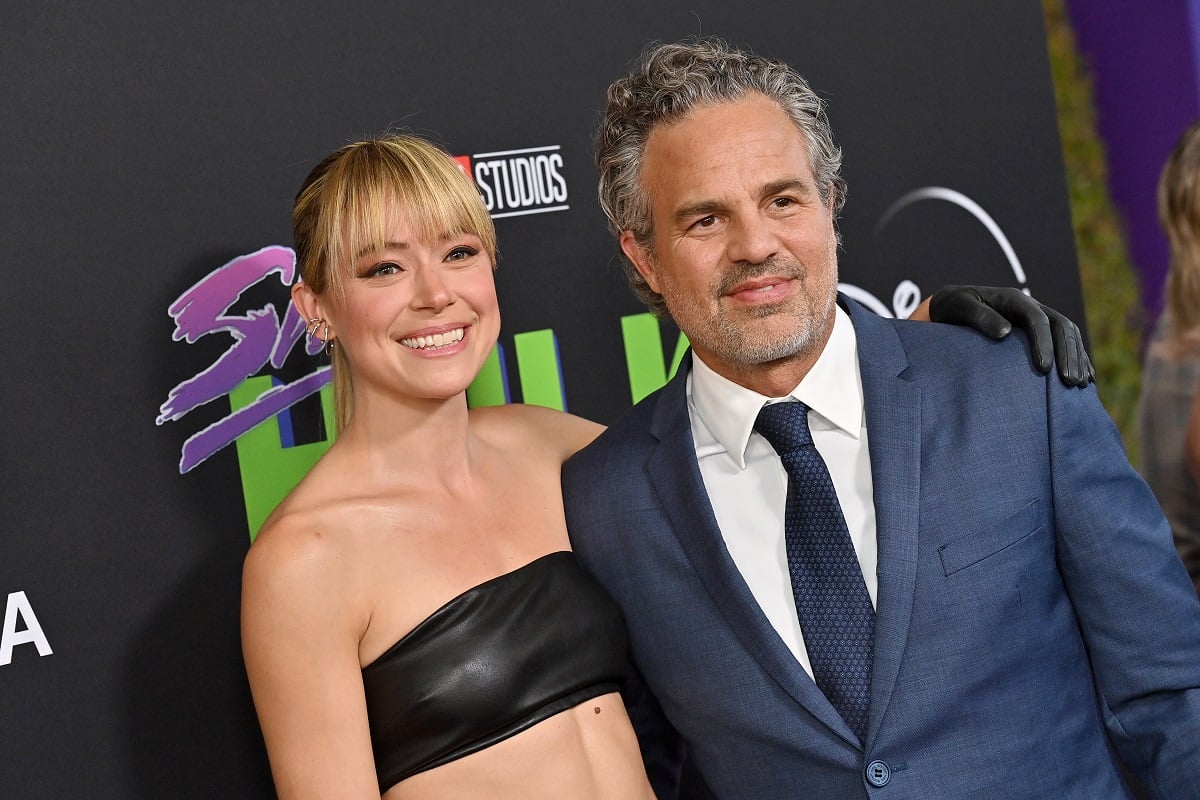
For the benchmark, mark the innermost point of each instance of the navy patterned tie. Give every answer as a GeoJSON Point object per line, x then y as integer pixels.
{"type": "Point", "coordinates": [835, 610]}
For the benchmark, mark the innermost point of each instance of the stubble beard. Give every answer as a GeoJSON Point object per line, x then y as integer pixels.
{"type": "Point", "coordinates": [737, 337]}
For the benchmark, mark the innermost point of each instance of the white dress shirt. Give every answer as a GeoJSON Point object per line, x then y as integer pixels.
{"type": "Point", "coordinates": [747, 483]}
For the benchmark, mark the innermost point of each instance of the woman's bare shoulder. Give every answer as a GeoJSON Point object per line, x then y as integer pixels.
{"type": "Point", "coordinates": [316, 518]}
{"type": "Point", "coordinates": [535, 427]}
{"type": "Point", "coordinates": [299, 549]}
{"type": "Point", "coordinates": [313, 540]}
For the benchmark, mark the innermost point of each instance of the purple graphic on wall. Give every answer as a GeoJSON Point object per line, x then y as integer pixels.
{"type": "Point", "coordinates": [260, 337]}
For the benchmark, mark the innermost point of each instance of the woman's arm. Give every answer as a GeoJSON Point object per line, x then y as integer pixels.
{"type": "Point", "coordinates": [300, 644]}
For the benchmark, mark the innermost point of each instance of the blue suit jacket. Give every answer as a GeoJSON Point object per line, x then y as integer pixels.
{"type": "Point", "coordinates": [1032, 617]}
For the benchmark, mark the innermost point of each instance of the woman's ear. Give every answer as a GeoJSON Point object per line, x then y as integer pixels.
{"type": "Point", "coordinates": [309, 304]}
{"type": "Point", "coordinates": [306, 301]}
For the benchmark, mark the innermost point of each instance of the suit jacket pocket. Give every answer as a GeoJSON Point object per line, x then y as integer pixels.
{"type": "Point", "coordinates": [999, 535]}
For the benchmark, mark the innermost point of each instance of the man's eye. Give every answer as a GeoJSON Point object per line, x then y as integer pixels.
{"type": "Point", "coordinates": [705, 222]}
{"type": "Point", "coordinates": [783, 202]}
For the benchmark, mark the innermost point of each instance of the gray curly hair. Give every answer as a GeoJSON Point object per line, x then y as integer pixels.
{"type": "Point", "coordinates": [669, 82]}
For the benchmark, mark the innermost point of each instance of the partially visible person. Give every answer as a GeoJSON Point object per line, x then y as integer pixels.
{"type": "Point", "coordinates": [1169, 414]}
{"type": "Point", "coordinates": [858, 557]}
{"type": "Point", "coordinates": [413, 621]}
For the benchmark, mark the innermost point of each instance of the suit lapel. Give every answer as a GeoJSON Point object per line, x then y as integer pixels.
{"type": "Point", "coordinates": [893, 411]}
{"type": "Point", "coordinates": [675, 475]}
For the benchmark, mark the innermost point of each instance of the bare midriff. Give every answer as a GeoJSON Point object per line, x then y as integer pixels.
{"type": "Point", "coordinates": [588, 752]}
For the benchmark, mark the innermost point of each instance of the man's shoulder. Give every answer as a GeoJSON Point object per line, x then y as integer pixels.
{"type": "Point", "coordinates": [631, 433]}
{"type": "Point", "coordinates": [935, 337]}
{"type": "Point", "coordinates": [951, 363]}
{"type": "Point", "coordinates": [933, 348]}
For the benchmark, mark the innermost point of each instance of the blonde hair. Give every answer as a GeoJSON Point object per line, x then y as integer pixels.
{"type": "Point", "coordinates": [345, 205]}
{"type": "Point", "coordinates": [1179, 214]}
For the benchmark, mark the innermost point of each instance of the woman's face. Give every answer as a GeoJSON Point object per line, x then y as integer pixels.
{"type": "Point", "coordinates": [418, 317]}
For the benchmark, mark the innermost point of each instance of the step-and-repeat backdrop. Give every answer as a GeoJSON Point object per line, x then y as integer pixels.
{"type": "Point", "coordinates": [158, 399]}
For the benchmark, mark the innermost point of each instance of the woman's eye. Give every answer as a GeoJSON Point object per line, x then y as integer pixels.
{"type": "Point", "coordinates": [386, 268]}
{"type": "Point", "coordinates": [461, 253]}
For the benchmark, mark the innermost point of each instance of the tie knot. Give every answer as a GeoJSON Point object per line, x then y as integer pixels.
{"type": "Point", "coordinates": [784, 425]}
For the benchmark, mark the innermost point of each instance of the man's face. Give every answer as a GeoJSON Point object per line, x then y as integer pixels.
{"type": "Point", "coordinates": [744, 252]}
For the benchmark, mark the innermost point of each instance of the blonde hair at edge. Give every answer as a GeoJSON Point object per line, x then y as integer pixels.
{"type": "Point", "coordinates": [347, 203]}
{"type": "Point", "coordinates": [1179, 214]}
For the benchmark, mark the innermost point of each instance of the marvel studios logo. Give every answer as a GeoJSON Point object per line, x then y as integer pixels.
{"type": "Point", "coordinates": [516, 182]}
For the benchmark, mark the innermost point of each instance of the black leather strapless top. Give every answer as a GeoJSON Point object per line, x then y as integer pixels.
{"type": "Point", "coordinates": [497, 659]}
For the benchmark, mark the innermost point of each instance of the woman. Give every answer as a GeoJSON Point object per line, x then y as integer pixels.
{"type": "Point", "coordinates": [413, 592]}
{"type": "Point", "coordinates": [1170, 405]}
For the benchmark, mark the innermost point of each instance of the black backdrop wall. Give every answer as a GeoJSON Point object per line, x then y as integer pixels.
{"type": "Point", "coordinates": [145, 146]}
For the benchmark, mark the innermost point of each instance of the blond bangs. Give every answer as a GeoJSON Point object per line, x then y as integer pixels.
{"type": "Point", "coordinates": [376, 180]}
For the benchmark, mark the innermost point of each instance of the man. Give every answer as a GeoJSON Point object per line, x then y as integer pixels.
{"type": "Point", "coordinates": [967, 592]}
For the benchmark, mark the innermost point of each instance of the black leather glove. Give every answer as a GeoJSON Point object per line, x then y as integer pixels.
{"type": "Point", "coordinates": [993, 310]}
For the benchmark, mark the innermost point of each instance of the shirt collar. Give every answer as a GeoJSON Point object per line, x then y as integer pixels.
{"type": "Point", "coordinates": [832, 388]}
